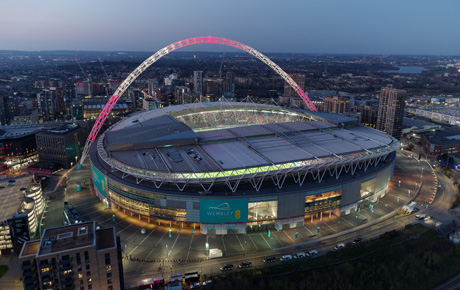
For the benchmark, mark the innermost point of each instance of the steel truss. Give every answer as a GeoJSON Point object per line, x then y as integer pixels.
{"type": "Point", "coordinates": [277, 173]}
{"type": "Point", "coordinates": [164, 51]}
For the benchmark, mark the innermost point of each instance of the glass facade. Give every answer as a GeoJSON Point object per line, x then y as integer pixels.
{"type": "Point", "coordinates": [323, 201]}
{"type": "Point", "coordinates": [143, 203]}
{"type": "Point", "coordinates": [367, 188]}
{"type": "Point", "coordinates": [264, 210]}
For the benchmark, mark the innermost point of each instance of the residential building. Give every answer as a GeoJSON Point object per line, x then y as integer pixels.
{"type": "Point", "coordinates": [391, 111]}
{"type": "Point", "coordinates": [198, 82]}
{"type": "Point", "coordinates": [77, 256]}
{"type": "Point", "coordinates": [299, 79]}
{"type": "Point", "coordinates": [336, 104]}
{"type": "Point", "coordinates": [28, 116]}
{"type": "Point", "coordinates": [368, 114]}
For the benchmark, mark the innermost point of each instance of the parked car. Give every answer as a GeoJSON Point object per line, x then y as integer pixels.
{"type": "Point", "coordinates": [358, 241]}
{"type": "Point", "coordinates": [1, 186]}
{"type": "Point", "coordinates": [312, 253]}
{"type": "Point", "coordinates": [245, 265]}
{"type": "Point", "coordinates": [286, 258]}
{"type": "Point", "coordinates": [143, 231]}
{"type": "Point", "coordinates": [339, 247]}
{"type": "Point", "coordinates": [227, 267]}
{"type": "Point", "coordinates": [299, 255]}
{"type": "Point", "coordinates": [23, 188]}
{"type": "Point", "coordinates": [420, 216]}
{"type": "Point", "coordinates": [270, 260]}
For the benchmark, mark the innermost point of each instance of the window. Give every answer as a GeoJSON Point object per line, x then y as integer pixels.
{"type": "Point", "coordinates": [110, 287]}
{"type": "Point", "coordinates": [86, 257]}
{"type": "Point", "coordinates": [90, 286]}
{"type": "Point", "coordinates": [78, 259]}
{"type": "Point", "coordinates": [82, 287]}
{"type": "Point", "coordinates": [80, 275]}
{"type": "Point", "coordinates": [109, 275]}
{"type": "Point", "coordinates": [107, 259]}
{"type": "Point", "coordinates": [87, 267]}
{"type": "Point", "coordinates": [368, 188]}
{"type": "Point", "coordinates": [264, 210]}
{"type": "Point", "coordinates": [109, 281]}
{"type": "Point", "coordinates": [81, 282]}
{"type": "Point", "coordinates": [89, 280]}
{"type": "Point", "coordinates": [108, 268]}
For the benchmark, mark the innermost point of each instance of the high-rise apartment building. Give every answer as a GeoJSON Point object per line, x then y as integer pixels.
{"type": "Point", "coordinates": [73, 257]}
{"type": "Point", "coordinates": [47, 104]}
{"type": "Point", "coordinates": [198, 82]}
{"type": "Point", "coordinates": [336, 104]}
{"type": "Point", "coordinates": [299, 79]}
{"type": "Point", "coordinates": [391, 111]}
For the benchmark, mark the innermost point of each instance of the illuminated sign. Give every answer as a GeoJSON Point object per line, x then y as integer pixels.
{"type": "Point", "coordinates": [223, 210]}
{"type": "Point", "coordinates": [100, 181]}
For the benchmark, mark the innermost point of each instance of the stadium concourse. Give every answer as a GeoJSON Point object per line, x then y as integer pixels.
{"type": "Point", "coordinates": [232, 167]}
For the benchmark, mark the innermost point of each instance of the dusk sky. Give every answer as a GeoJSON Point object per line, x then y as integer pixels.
{"type": "Point", "coordinates": [320, 26]}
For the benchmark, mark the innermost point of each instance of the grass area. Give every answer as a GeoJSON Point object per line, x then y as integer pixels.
{"type": "Point", "coordinates": [3, 270]}
{"type": "Point", "coordinates": [416, 258]}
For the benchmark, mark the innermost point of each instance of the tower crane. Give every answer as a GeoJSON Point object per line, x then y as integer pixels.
{"type": "Point", "coordinates": [87, 77]}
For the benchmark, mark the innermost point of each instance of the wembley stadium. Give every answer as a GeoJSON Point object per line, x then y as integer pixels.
{"type": "Point", "coordinates": [227, 165]}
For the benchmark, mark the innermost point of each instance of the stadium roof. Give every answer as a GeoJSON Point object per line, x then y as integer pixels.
{"type": "Point", "coordinates": [157, 141]}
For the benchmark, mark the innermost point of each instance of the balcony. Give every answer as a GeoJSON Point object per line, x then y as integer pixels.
{"type": "Point", "coordinates": [31, 287]}
{"type": "Point", "coordinates": [68, 281]}
{"type": "Point", "coordinates": [27, 267]}
{"type": "Point", "coordinates": [66, 268]}
{"type": "Point", "coordinates": [65, 261]}
{"type": "Point", "coordinates": [27, 274]}
{"type": "Point", "coordinates": [29, 281]}
{"type": "Point", "coordinates": [68, 275]}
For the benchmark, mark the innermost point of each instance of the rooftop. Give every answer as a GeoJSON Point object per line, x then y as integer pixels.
{"type": "Point", "coordinates": [17, 131]}
{"type": "Point", "coordinates": [11, 199]}
{"type": "Point", "coordinates": [447, 137]}
{"type": "Point", "coordinates": [67, 238]}
{"type": "Point", "coordinates": [30, 248]}
{"type": "Point", "coordinates": [105, 238]}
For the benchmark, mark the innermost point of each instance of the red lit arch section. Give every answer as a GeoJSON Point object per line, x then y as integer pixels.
{"type": "Point", "coordinates": [164, 51]}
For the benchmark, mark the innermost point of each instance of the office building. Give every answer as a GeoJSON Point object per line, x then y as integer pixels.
{"type": "Point", "coordinates": [61, 145]}
{"type": "Point", "coordinates": [391, 111]}
{"type": "Point", "coordinates": [73, 257]}
{"type": "Point", "coordinates": [198, 82]}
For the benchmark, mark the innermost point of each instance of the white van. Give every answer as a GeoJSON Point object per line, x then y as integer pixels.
{"type": "Point", "coordinates": [312, 253]}
{"type": "Point", "coordinates": [299, 255]}
{"type": "Point", "coordinates": [286, 258]}
{"type": "Point", "coordinates": [339, 246]}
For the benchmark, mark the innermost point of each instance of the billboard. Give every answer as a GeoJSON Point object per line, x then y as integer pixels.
{"type": "Point", "coordinates": [224, 210]}
{"type": "Point", "coordinates": [99, 181]}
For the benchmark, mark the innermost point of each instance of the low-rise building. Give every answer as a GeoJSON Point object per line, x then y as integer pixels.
{"type": "Point", "coordinates": [438, 143]}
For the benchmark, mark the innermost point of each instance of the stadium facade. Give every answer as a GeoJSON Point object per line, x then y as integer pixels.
{"type": "Point", "coordinates": [228, 166]}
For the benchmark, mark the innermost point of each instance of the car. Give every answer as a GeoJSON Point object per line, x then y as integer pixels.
{"type": "Point", "coordinates": [427, 218]}
{"type": "Point", "coordinates": [299, 255]}
{"type": "Point", "coordinates": [195, 285]}
{"type": "Point", "coordinates": [420, 216]}
{"type": "Point", "coordinates": [11, 180]}
{"type": "Point", "coordinates": [1, 186]}
{"type": "Point", "coordinates": [23, 188]}
{"type": "Point", "coordinates": [339, 247]}
{"type": "Point", "coordinates": [207, 283]}
{"type": "Point", "coordinates": [269, 260]}
{"type": "Point", "coordinates": [312, 253]}
{"type": "Point", "coordinates": [227, 267]}
{"type": "Point", "coordinates": [11, 184]}
{"type": "Point", "coordinates": [357, 241]}
{"type": "Point", "coordinates": [143, 231]}
{"type": "Point", "coordinates": [286, 258]}
{"type": "Point", "coordinates": [245, 265]}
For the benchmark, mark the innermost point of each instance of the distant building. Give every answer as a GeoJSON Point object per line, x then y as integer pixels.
{"type": "Point", "coordinates": [182, 94]}
{"type": "Point", "coordinates": [228, 87]}
{"type": "Point", "coordinates": [444, 100]}
{"type": "Point", "coordinates": [198, 82]}
{"type": "Point", "coordinates": [28, 116]}
{"type": "Point", "coordinates": [336, 105]}
{"type": "Point", "coordinates": [149, 104]}
{"type": "Point", "coordinates": [211, 88]}
{"type": "Point", "coordinates": [438, 143]}
{"type": "Point", "coordinates": [61, 145]}
{"type": "Point", "coordinates": [73, 256]}
{"type": "Point", "coordinates": [9, 108]}
{"type": "Point", "coordinates": [47, 104]}
{"type": "Point", "coordinates": [299, 79]}
{"type": "Point", "coordinates": [391, 111]}
{"type": "Point", "coordinates": [368, 114]}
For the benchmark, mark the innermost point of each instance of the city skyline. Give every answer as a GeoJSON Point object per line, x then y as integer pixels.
{"type": "Point", "coordinates": [356, 27]}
